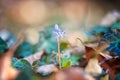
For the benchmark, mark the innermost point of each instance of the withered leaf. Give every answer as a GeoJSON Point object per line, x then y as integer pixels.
{"type": "Point", "coordinates": [110, 64]}
{"type": "Point", "coordinates": [106, 62]}
{"type": "Point", "coordinates": [92, 52]}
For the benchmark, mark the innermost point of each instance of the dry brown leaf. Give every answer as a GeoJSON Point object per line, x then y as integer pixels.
{"type": "Point", "coordinates": [107, 62]}
{"type": "Point", "coordinates": [110, 64]}
{"type": "Point", "coordinates": [93, 52]}
{"type": "Point", "coordinates": [93, 66]}
{"type": "Point", "coordinates": [90, 53]}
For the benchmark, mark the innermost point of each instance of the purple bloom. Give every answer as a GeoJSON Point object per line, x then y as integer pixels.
{"type": "Point", "coordinates": [59, 32]}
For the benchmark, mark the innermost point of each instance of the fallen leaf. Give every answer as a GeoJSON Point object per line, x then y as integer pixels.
{"type": "Point", "coordinates": [93, 67]}
{"type": "Point", "coordinates": [110, 64]}
{"type": "Point", "coordinates": [90, 53]}
{"type": "Point", "coordinates": [34, 57]}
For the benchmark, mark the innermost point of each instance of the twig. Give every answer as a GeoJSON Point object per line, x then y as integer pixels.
{"type": "Point", "coordinates": [80, 41]}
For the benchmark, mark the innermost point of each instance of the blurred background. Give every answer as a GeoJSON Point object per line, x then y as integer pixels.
{"type": "Point", "coordinates": [73, 16]}
{"type": "Point", "coordinates": [36, 19]}
{"type": "Point", "coordinates": [16, 15]}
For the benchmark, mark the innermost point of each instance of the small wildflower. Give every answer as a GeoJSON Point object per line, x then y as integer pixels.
{"type": "Point", "coordinates": [59, 32]}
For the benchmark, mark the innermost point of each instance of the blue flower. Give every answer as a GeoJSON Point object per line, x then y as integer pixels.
{"type": "Point", "coordinates": [59, 32]}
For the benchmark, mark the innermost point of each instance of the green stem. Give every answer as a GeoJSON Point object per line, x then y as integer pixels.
{"type": "Point", "coordinates": [59, 55]}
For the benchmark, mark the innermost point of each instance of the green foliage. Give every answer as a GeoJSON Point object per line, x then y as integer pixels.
{"type": "Point", "coordinates": [75, 59]}
{"type": "Point", "coordinates": [99, 29]}
{"type": "Point", "coordinates": [112, 36]}
{"type": "Point", "coordinates": [64, 45]}
{"type": "Point", "coordinates": [46, 59]}
{"type": "Point", "coordinates": [25, 49]}
{"type": "Point", "coordinates": [21, 64]}
{"type": "Point", "coordinates": [47, 45]}
{"type": "Point", "coordinates": [3, 45]}
{"type": "Point", "coordinates": [116, 25]}
{"type": "Point", "coordinates": [48, 41]}
{"type": "Point", "coordinates": [27, 75]}
{"type": "Point", "coordinates": [40, 62]}
{"type": "Point", "coordinates": [68, 62]}
{"type": "Point", "coordinates": [51, 59]}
